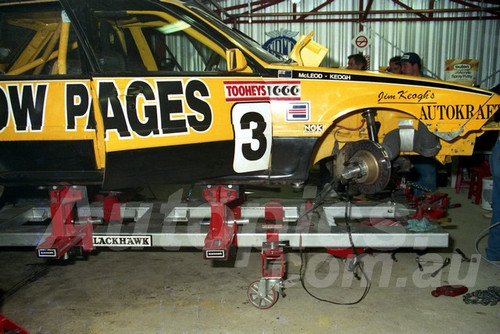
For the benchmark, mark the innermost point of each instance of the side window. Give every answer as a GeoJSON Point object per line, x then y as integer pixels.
{"type": "Point", "coordinates": [201, 58]}
{"type": "Point", "coordinates": [135, 41]}
{"type": "Point", "coordinates": [30, 44]}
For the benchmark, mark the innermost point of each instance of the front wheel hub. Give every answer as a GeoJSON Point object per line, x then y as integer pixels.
{"type": "Point", "coordinates": [366, 163]}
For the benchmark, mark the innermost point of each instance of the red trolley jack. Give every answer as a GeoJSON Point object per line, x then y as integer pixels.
{"type": "Point", "coordinates": [264, 293]}
{"type": "Point", "coordinates": [65, 234]}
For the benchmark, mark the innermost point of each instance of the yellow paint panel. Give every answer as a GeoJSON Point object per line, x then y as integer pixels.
{"type": "Point", "coordinates": [177, 109]}
{"type": "Point", "coordinates": [40, 110]}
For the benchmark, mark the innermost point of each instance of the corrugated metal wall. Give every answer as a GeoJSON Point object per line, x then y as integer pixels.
{"type": "Point", "coordinates": [433, 41]}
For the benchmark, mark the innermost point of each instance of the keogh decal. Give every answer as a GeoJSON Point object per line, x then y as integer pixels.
{"type": "Point", "coordinates": [321, 76]}
{"type": "Point", "coordinates": [405, 96]}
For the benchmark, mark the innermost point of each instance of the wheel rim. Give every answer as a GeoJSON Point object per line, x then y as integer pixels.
{"type": "Point", "coordinates": [258, 301]}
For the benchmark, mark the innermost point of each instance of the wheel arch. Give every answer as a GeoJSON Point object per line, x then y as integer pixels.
{"type": "Point", "coordinates": [352, 121]}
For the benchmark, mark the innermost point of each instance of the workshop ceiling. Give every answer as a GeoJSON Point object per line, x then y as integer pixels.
{"type": "Point", "coordinates": [273, 11]}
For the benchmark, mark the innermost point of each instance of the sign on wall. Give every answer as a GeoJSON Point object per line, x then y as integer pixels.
{"type": "Point", "coordinates": [361, 41]}
{"type": "Point", "coordinates": [462, 71]}
{"type": "Point", "coordinates": [280, 41]}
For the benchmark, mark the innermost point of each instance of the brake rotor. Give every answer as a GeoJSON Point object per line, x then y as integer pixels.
{"type": "Point", "coordinates": [366, 163]}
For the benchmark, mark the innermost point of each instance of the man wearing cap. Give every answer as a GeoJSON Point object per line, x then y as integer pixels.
{"type": "Point", "coordinates": [411, 64]}
{"type": "Point", "coordinates": [425, 169]}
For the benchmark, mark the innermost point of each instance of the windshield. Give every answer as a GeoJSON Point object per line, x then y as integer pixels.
{"type": "Point", "coordinates": [238, 36]}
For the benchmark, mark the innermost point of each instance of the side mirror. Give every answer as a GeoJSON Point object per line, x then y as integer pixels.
{"type": "Point", "coordinates": [236, 61]}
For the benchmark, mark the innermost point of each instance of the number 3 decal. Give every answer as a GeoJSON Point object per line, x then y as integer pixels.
{"type": "Point", "coordinates": [252, 136]}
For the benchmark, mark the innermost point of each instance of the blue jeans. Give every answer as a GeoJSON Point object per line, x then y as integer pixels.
{"type": "Point", "coordinates": [424, 174]}
{"type": "Point", "coordinates": [493, 248]}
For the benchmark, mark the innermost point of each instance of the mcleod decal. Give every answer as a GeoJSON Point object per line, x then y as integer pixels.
{"type": "Point", "coordinates": [123, 240]}
{"type": "Point", "coordinates": [246, 91]}
{"type": "Point", "coordinates": [322, 76]}
{"type": "Point", "coordinates": [161, 112]}
{"type": "Point", "coordinates": [311, 75]}
{"type": "Point", "coordinates": [458, 111]}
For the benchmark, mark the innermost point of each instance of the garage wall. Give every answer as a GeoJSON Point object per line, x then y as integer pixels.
{"type": "Point", "coordinates": [433, 41]}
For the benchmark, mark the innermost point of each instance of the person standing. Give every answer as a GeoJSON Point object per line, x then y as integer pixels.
{"type": "Point", "coordinates": [411, 64]}
{"type": "Point", "coordinates": [493, 247]}
{"type": "Point", "coordinates": [357, 62]}
{"type": "Point", "coordinates": [425, 176]}
{"type": "Point", "coordinates": [395, 65]}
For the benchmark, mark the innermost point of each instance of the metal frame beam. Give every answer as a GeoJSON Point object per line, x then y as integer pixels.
{"type": "Point", "coordinates": [158, 225]}
{"type": "Point", "coordinates": [256, 13]}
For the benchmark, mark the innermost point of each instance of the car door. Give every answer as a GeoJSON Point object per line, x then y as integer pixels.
{"type": "Point", "coordinates": [164, 95]}
{"type": "Point", "coordinates": [47, 126]}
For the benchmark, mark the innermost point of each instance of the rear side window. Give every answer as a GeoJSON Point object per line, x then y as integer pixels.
{"type": "Point", "coordinates": [37, 41]}
{"type": "Point", "coordinates": [12, 40]}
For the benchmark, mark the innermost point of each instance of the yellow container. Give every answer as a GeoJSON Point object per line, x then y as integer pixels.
{"type": "Point", "coordinates": [307, 52]}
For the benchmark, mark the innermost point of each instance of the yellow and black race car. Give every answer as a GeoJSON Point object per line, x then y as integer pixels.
{"type": "Point", "coordinates": [124, 93]}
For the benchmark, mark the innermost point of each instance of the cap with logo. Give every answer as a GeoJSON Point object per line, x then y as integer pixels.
{"type": "Point", "coordinates": [411, 57]}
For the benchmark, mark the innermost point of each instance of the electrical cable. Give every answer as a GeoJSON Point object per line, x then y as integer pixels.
{"type": "Point", "coordinates": [302, 282]}
{"type": "Point", "coordinates": [358, 128]}
{"type": "Point", "coordinates": [353, 266]}
{"type": "Point", "coordinates": [318, 200]}
{"type": "Point", "coordinates": [481, 235]}
{"type": "Point", "coordinates": [341, 127]}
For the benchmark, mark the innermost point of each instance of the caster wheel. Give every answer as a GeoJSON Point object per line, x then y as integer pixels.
{"type": "Point", "coordinates": [261, 302]}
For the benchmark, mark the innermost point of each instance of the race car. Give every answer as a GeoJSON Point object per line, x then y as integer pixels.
{"type": "Point", "coordinates": [125, 93]}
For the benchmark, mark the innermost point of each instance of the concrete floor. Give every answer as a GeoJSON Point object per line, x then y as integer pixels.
{"type": "Point", "coordinates": [162, 291]}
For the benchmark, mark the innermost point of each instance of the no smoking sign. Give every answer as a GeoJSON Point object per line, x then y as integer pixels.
{"type": "Point", "coordinates": [361, 41]}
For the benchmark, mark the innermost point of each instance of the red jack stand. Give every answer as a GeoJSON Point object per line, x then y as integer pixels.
{"type": "Point", "coordinates": [8, 326]}
{"type": "Point", "coordinates": [221, 235]}
{"type": "Point", "coordinates": [111, 208]}
{"type": "Point", "coordinates": [272, 255]}
{"type": "Point", "coordinates": [65, 235]}
{"type": "Point", "coordinates": [264, 293]}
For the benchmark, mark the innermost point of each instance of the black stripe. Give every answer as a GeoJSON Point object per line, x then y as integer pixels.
{"type": "Point", "coordinates": [389, 80]}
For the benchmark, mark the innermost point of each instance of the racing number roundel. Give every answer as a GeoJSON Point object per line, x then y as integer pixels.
{"type": "Point", "coordinates": [252, 136]}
